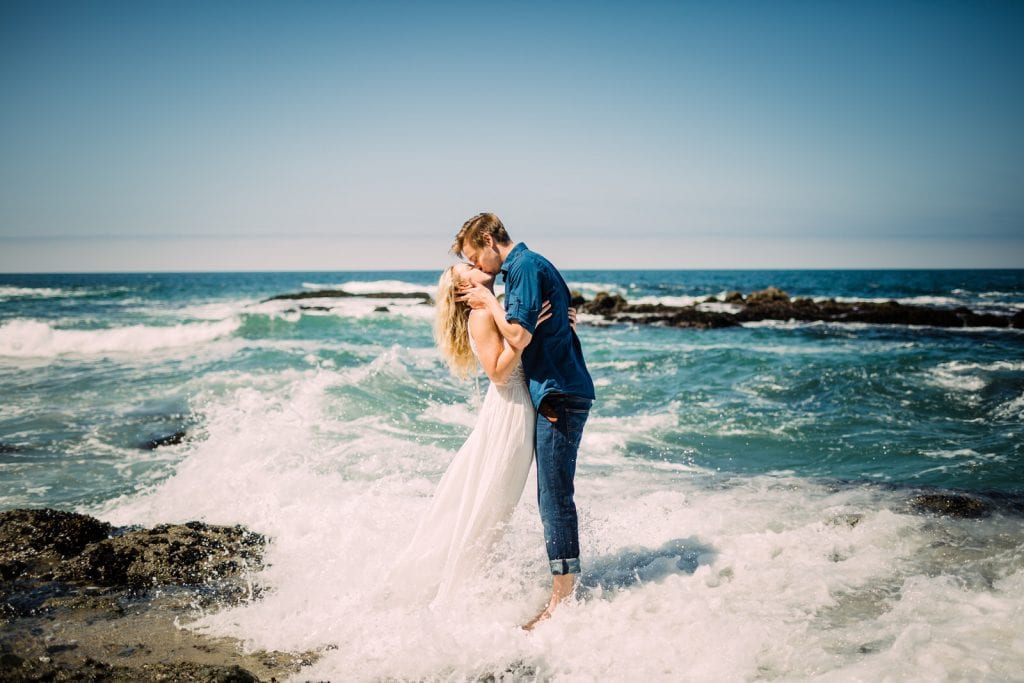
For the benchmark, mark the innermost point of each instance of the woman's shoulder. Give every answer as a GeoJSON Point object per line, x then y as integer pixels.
{"type": "Point", "coordinates": [481, 324]}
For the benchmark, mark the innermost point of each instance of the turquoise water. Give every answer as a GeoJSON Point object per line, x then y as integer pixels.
{"type": "Point", "coordinates": [744, 493]}
{"type": "Point", "coordinates": [92, 366]}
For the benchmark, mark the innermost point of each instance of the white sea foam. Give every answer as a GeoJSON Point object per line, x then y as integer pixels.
{"type": "Point", "coordinates": [906, 301]}
{"type": "Point", "coordinates": [355, 307]}
{"type": "Point", "coordinates": [718, 307]}
{"type": "Point", "coordinates": [969, 377]}
{"type": "Point", "coordinates": [772, 577]}
{"type": "Point", "coordinates": [995, 366]}
{"type": "Point", "coordinates": [35, 339]}
{"type": "Point", "coordinates": [950, 454]}
{"type": "Point", "coordinates": [460, 414]}
{"type": "Point", "coordinates": [12, 292]}
{"type": "Point", "coordinates": [214, 310]}
{"type": "Point", "coordinates": [590, 289]}
{"type": "Point", "coordinates": [374, 286]}
{"type": "Point", "coordinates": [798, 324]}
{"type": "Point", "coordinates": [680, 301]}
{"type": "Point", "coordinates": [8, 292]}
{"type": "Point", "coordinates": [1012, 409]}
{"type": "Point", "coordinates": [954, 379]}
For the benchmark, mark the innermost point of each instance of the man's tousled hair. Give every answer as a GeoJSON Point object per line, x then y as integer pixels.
{"type": "Point", "coordinates": [475, 230]}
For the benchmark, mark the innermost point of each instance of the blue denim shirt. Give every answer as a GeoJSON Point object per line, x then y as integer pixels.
{"type": "Point", "coordinates": [553, 361]}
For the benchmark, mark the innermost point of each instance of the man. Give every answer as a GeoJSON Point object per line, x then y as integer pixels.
{"type": "Point", "coordinates": [559, 383]}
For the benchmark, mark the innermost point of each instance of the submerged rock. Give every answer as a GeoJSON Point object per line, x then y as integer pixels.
{"type": "Point", "coordinates": [342, 294]}
{"type": "Point", "coordinates": [951, 505]}
{"type": "Point", "coordinates": [171, 439]}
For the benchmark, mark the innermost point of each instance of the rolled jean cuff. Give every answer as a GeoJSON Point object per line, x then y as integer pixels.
{"type": "Point", "coordinates": [559, 567]}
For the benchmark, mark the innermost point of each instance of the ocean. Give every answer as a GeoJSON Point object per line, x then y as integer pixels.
{"type": "Point", "coordinates": [745, 493]}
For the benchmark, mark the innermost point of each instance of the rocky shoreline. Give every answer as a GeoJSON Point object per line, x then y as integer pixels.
{"type": "Point", "coordinates": [81, 600]}
{"type": "Point", "coordinates": [775, 304]}
{"type": "Point", "coordinates": [733, 310]}
{"type": "Point", "coordinates": [84, 601]}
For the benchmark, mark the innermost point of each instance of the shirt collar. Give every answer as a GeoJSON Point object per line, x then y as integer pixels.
{"type": "Point", "coordinates": [516, 252]}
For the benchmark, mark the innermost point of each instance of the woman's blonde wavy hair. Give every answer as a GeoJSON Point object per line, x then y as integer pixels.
{"type": "Point", "coordinates": [451, 326]}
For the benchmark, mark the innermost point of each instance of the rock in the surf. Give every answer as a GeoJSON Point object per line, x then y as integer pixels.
{"type": "Point", "coordinates": [950, 505]}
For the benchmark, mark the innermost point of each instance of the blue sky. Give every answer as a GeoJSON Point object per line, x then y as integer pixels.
{"type": "Point", "coordinates": [313, 135]}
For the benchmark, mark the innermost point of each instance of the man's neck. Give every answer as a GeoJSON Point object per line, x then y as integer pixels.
{"type": "Point", "coordinates": [505, 249]}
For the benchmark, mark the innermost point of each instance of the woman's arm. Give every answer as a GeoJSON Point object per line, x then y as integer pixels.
{"type": "Point", "coordinates": [479, 297]}
{"type": "Point", "coordinates": [497, 358]}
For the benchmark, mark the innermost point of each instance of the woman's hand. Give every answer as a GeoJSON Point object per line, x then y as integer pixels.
{"type": "Point", "coordinates": [477, 296]}
{"type": "Point", "coordinates": [545, 312]}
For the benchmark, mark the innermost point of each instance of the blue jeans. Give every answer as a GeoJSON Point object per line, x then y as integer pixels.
{"type": "Point", "coordinates": [560, 423]}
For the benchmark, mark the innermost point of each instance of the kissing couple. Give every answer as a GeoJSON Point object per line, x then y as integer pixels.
{"type": "Point", "coordinates": [537, 404]}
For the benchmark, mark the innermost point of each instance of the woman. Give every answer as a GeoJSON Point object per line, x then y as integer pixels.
{"type": "Point", "coordinates": [483, 483]}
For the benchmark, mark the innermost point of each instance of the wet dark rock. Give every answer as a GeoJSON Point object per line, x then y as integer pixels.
{"type": "Point", "coordinates": [72, 585]}
{"type": "Point", "coordinates": [68, 548]}
{"type": "Point", "coordinates": [678, 317]}
{"type": "Point", "coordinates": [775, 304]}
{"type": "Point", "coordinates": [382, 309]}
{"type": "Point", "coordinates": [16, 668]}
{"type": "Point", "coordinates": [342, 294]}
{"type": "Point", "coordinates": [604, 304]}
{"type": "Point", "coordinates": [182, 554]}
{"type": "Point", "coordinates": [576, 299]}
{"type": "Point", "coordinates": [31, 536]}
{"type": "Point", "coordinates": [950, 505]}
{"type": "Point", "coordinates": [172, 439]}
{"type": "Point", "coordinates": [9, 447]}
{"type": "Point", "coordinates": [769, 295]}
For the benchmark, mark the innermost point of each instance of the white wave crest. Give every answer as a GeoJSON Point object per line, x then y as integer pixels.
{"type": "Point", "coordinates": [949, 454]}
{"type": "Point", "coordinates": [13, 292]}
{"type": "Point", "coordinates": [34, 292]}
{"type": "Point", "coordinates": [592, 288]}
{"type": "Point", "coordinates": [356, 307]}
{"type": "Point", "coordinates": [373, 287]}
{"type": "Point", "coordinates": [1012, 409]}
{"type": "Point", "coordinates": [35, 339]}
{"type": "Point", "coordinates": [680, 301]}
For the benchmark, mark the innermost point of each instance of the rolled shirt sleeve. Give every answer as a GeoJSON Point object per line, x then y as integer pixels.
{"type": "Point", "coordinates": [523, 297]}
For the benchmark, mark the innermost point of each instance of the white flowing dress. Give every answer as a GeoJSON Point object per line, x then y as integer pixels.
{"type": "Point", "coordinates": [475, 498]}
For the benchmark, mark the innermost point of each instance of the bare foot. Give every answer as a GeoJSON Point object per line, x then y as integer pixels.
{"type": "Point", "coordinates": [562, 586]}
{"type": "Point", "coordinates": [544, 614]}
